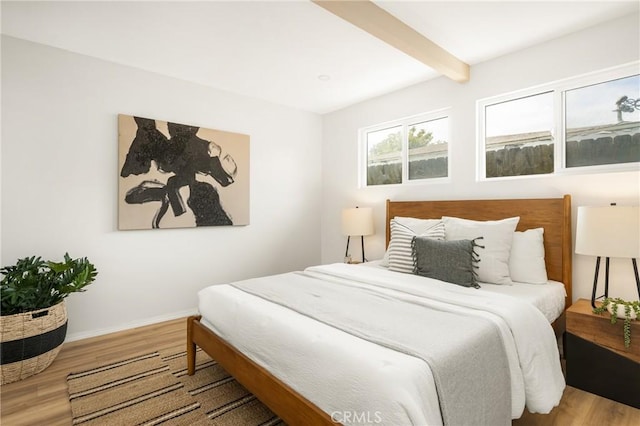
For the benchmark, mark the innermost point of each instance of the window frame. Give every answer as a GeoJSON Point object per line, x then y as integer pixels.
{"type": "Point", "coordinates": [558, 132]}
{"type": "Point", "coordinates": [405, 123]}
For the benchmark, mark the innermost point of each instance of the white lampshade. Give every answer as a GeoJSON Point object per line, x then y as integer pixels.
{"type": "Point", "coordinates": [611, 231]}
{"type": "Point", "coordinates": [357, 221]}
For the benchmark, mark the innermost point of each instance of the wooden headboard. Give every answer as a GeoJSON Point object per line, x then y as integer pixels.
{"type": "Point", "coordinates": [552, 214]}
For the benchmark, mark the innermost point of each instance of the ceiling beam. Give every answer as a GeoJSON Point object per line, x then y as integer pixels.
{"type": "Point", "coordinates": [378, 22]}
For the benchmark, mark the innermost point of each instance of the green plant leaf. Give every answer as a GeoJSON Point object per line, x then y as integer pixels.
{"type": "Point", "coordinates": [33, 283]}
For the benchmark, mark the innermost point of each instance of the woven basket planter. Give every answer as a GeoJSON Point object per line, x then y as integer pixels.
{"type": "Point", "coordinates": [30, 341]}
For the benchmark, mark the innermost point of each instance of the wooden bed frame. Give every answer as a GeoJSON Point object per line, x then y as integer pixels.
{"type": "Point", "coordinates": [553, 214]}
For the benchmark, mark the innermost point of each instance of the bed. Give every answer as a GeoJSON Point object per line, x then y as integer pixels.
{"type": "Point", "coordinates": [274, 382]}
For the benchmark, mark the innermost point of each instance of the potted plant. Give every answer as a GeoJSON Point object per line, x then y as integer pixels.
{"type": "Point", "coordinates": [33, 321]}
{"type": "Point", "coordinates": [619, 308]}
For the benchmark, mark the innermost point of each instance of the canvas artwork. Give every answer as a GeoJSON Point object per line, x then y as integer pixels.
{"type": "Point", "coordinates": [179, 176]}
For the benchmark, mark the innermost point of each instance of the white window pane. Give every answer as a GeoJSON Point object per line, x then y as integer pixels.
{"type": "Point", "coordinates": [519, 136]}
{"type": "Point", "coordinates": [429, 149]}
{"type": "Point", "coordinates": [384, 156]}
{"type": "Point", "coordinates": [603, 123]}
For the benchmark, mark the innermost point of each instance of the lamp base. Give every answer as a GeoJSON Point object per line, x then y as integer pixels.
{"type": "Point", "coordinates": [347, 256]}
{"type": "Point", "coordinates": [606, 279]}
{"type": "Point", "coordinates": [595, 282]}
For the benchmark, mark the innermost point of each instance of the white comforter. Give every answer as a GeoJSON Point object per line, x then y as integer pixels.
{"type": "Point", "coordinates": [351, 378]}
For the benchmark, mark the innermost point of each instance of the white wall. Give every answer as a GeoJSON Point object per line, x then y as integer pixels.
{"type": "Point", "coordinates": [607, 45]}
{"type": "Point", "coordinates": [60, 171]}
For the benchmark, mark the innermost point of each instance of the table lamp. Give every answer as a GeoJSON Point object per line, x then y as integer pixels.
{"type": "Point", "coordinates": [357, 222]}
{"type": "Point", "coordinates": [609, 231]}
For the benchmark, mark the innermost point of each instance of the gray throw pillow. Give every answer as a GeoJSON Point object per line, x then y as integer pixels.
{"type": "Point", "coordinates": [450, 261]}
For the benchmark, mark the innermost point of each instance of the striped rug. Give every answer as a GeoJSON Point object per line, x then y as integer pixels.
{"type": "Point", "coordinates": [154, 389]}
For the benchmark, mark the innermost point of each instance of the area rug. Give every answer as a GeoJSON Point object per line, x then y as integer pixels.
{"type": "Point", "coordinates": [154, 389]}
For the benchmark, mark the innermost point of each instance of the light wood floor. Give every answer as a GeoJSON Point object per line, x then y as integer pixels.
{"type": "Point", "coordinates": [43, 400]}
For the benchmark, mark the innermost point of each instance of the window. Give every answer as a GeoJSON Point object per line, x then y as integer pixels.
{"type": "Point", "coordinates": [384, 156]}
{"type": "Point", "coordinates": [597, 118]}
{"type": "Point", "coordinates": [603, 123]}
{"type": "Point", "coordinates": [519, 136]}
{"type": "Point", "coordinates": [429, 149]}
{"type": "Point", "coordinates": [410, 149]}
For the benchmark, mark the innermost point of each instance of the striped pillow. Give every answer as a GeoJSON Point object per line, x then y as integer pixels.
{"type": "Point", "coordinates": [400, 252]}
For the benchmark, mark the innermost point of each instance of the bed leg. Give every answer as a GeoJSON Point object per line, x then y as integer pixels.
{"type": "Point", "coordinates": [191, 347]}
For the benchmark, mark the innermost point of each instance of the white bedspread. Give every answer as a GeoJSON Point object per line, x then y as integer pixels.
{"type": "Point", "coordinates": [343, 374]}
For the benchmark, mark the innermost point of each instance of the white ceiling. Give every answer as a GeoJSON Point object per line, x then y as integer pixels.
{"type": "Point", "coordinates": [276, 50]}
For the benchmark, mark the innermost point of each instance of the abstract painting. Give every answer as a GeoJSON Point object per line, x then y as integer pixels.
{"type": "Point", "coordinates": [180, 176]}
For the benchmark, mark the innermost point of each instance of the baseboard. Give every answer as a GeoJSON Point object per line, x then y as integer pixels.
{"type": "Point", "coordinates": [71, 337]}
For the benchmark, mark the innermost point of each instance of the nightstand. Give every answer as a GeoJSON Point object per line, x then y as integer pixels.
{"type": "Point", "coordinates": [596, 359]}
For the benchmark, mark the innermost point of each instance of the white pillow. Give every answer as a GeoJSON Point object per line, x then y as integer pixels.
{"type": "Point", "coordinates": [400, 252]}
{"type": "Point", "coordinates": [417, 226]}
{"type": "Point", "coordinates": [497, 236]}
{"type": "Point", "coordinates": [526, 262]}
